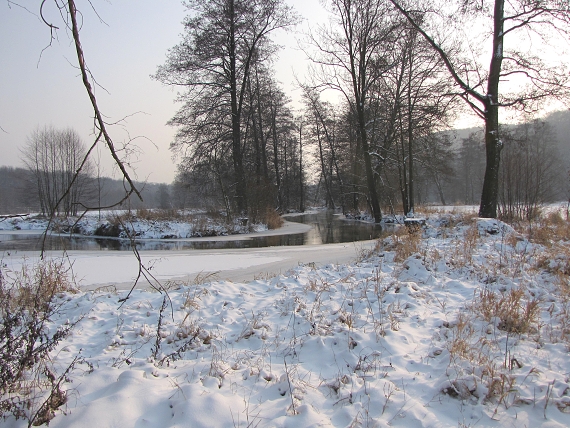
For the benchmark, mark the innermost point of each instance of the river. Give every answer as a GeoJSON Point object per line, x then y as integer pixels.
{"type": "Point", "coordinates": [326, 227]}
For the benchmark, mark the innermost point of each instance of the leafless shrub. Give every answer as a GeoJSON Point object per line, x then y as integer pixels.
{"type": "Point", "coordinates": [465, 343]}
{"type": "Point", "coordinates": [193, 294]}
{"type": "Point", "coordinates": [547, 230]}
{"type": "Point", "coordinates": [462, 217]}
{"type": "Point", "coordinates": [30, 388]}
{"type": "Point", "coordinates": [478, 356]}
{"type": "Point", "coordinates": [156, 349]}
{"type": "Point", "coordinates": [190, 341]}
{"type": "Point", "coordinates": [272, 219]}
{"type": "Point", "coordinates": [35, 286]}
{"type": "Point", "coordinates": [205, 278]}
{"type": "Point", "coordinates": [253, 325]}
{"type": "Point", "coordinates": [426, 209]}
{"type": "Point", "coordinates": [363, 253]}
{"type": "Point", "coordinates": [161, 214]}
{"type": "Point", "coordinates": [554, 218]}
{"type": "Point", "coordinates": [555, 260]}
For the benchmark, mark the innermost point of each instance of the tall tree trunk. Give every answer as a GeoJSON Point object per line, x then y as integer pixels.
{"type": "Point", "coordinates": [411, 202]}
{"type": "Point", "coordinates": [403, 173]}
{"type": "Point", "coordinates": [276, 158]}
{"type": "Point", "coordinates": [324, 172]}
{"type": "Point", "coordinates": [493, 143]}
{"type": "Point", "coordinates": [374, 201]}
{"type": "Point", "coordinates": [254, 125]}
{"type": "Point", "coordinates": [237, 155]}
{"type": "Point", "coordinates": [301, 184]}
{"type": "Point", "coordinates": [439, 188]}
{"type": "Point", "coordinates": [338, 176]}
{"type": "Point", "coordinates": [263, 137]}
{"type": "Point", "coordinates": [370, 182]}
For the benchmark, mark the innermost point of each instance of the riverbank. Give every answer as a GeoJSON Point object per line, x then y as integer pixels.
{"type": "Point", "coordinates": [140, 224]}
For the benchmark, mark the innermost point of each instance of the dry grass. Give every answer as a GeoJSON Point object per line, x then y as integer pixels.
{"type": "Point", "coordinates": [517, 312]}
{"type": "Point", "coordinates": [272, 219]}
{"type": "Point", "coordinates": [475, 356]}
{"type": "Point", "coordinates": [464, 342]}
{"type": "Point", "coordinates": [159, 214]}
{"type": "Point", "coordinates": [547, 230]}
{"type": "Point", "coordinates": [30, 387]}
{"type": "Point", "coordinates": [464, 247]}
{"type": "Point", "coordinates": [427, 210]}
{"type": "Point", "coordinates": [35, 286]}
{"type": "Point", "coordinates": [560, 313]}
{"type": "Point", "coordinates": [406, 242]}
{"type": "Point", "coordinates": [552, 232]}
{"type": "Point", "coordinates": [145, 214]}
{"type": "Point", "coordinates": [202, 223]}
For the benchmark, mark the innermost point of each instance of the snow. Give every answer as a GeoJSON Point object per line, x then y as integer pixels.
{"type": "Point", "coordinates": [93, 269]}
{"type": "Point", "coordinates": [382, 340]}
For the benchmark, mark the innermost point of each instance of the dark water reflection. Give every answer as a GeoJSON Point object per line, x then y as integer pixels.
{"type": "Point", "coordinates": [327, 228]}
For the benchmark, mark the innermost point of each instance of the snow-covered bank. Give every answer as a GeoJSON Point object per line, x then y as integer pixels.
{"type": "Point", "coordinates": [288, 228]}
{"type": "Point", "coordinates": [147, 225]}
{"type": "Point", "coordinates": [467, 326]}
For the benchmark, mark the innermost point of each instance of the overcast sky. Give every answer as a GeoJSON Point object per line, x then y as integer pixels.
{"type": "Point", "coordinates": [42, 87]}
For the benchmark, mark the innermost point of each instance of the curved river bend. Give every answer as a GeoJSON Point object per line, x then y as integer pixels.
{"type": "Point", "coordinates": [326, 228]}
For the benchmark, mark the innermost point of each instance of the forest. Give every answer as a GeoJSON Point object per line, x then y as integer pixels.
{"type": "Point", "coordinates": [534, 171]}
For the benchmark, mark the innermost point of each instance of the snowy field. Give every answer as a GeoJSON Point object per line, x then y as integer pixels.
{"type": "Point", "coordinates": [465, 324]}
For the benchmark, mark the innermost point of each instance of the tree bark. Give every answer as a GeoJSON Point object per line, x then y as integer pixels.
{"type": "Point", "coordinates": [301, 184]}
{"type": "Point", "coordinates": [237, 156]}
{"type": "Point", "coordinates": [493, 143]}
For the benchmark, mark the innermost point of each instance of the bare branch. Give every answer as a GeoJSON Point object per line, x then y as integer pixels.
{"type": "Point", "coordinates": [460, 82]}
{"type": "Point", "coordinates": [100, 123]}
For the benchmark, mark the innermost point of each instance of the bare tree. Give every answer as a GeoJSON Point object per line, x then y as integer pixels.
{"type": "Point", "coordinates": [351, 60]}
{"type": "Point", "coordinates": [470, 168]}
{"type": "Point", "coordinates": [414, 101]}
{"type": "Point", "coordinates": [300, 123]}
{"type": "Point", "coordinates": [221, 42]}
{"type": "Point", "coordinates": [53, 156]}
{"type": "Point", "coordinates": [14, 197]}
{"type": "Point", "coordinates": [321, 129]}
{"type": "Point", "coordinates": [530, 170]}
{"type": "Point", "coordinates": [507, 23]}
{"type": "Point", "coordinates": [435, 156]}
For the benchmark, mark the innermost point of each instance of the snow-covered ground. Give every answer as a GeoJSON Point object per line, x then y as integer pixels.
{"type": "Point", "coordinates": [467, 326]}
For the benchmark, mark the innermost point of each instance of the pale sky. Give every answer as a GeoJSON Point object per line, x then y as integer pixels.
{"type": "Point", "coordinates": [122, 53]}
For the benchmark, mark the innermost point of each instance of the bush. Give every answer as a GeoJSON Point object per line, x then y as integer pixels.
{"type": "Point", "coordinates": [272, 219]}
{"type": "Point", "coordinates": [158, 214]}
{"type": "Point", "coordinates": [30, 388]}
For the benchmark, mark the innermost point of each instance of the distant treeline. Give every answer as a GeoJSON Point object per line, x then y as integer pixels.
{"type": "Point", "coordinates": [19, 195]}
